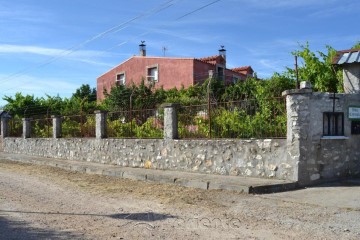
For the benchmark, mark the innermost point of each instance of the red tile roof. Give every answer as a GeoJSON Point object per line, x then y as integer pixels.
{"type": "Point", "coordinates": [243, 69]}
{"type": "Point", "coordinates": [212, 59]}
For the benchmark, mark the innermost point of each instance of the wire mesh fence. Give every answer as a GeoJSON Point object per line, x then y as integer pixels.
{"type": "Point", "coordinates": [15, 127]}
{"type": "Point", "coordinates": [78, 126]}
{"type": "Point", "coordinates": [145, 123]}
{"type": "Point", "coordinates": [252, 118]}
{"type": "Point", "coordinates": [41, 127]}
{"type": "Point", "coordinates": [241, 119]}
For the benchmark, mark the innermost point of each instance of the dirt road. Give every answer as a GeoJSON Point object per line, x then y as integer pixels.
{"type": "Point", "coordinates": [38, 202]}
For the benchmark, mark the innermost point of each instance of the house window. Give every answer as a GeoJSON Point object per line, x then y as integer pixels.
{"type": "Point", "coordinates": [235, 79]}
{"type": "Point", "coordinates": [333, 124]}
{"type": "Point", "coordinates": [153, 73]}
{"type": "Point", "coordinates": [220, 72]}
{"type": "Point", "coordinates": [120, 79]}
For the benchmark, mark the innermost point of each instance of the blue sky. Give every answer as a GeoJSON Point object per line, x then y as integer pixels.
{"type": "Point", "coordinates": [52, 47]}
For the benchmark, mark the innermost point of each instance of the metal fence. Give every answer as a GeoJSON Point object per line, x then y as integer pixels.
{"type": "Point", "coordinates": [253, 118]}
{"type": "Point", "coordinates": [78, 126]}
{"type": "Point", "coordinates": [145, 123]}
{"type": "Point", "coordinates": [41, 127]}
{"type": "Point", "coordinates": [15, 127]}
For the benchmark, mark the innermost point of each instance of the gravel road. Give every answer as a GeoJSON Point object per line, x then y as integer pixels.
{"type": "Point", "coordinates": [39, 202]}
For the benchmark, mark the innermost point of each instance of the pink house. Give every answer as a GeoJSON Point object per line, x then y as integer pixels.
{"type": "Point", "coordinates": [169, 72]}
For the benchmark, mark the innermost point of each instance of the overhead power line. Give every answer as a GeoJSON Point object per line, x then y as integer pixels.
{"type": "Point", "coordinates": [150, 31]}
{"type": "Point", "coordinates": [73, 49]}
{"type": "Point", "coordinates": [153, 11]}
{"type": "Point", "coordinates": [196, 10]}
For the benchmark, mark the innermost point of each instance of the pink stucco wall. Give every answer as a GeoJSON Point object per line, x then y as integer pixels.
{"type": "Point", "coordinates": [172, 72]}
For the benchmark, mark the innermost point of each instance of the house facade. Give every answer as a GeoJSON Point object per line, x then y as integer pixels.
{"type": "Point", "coordinates": [169, 72]}
{"type": "Point", "coordinates": [349, 60]}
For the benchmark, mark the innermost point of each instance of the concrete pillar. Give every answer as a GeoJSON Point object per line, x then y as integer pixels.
{"type": "Point", "coordinates": [170, 121]}
{"type": "Point", "coordinates": [298, 127]}
{"type": "Point", "coordinates": [4, 127]}
{"type": "Point", "coordinates": [27, 127]}
{"type": "Point", "coordinates": [56, 126]}
{"type": "Point", "coordinates": [100, 124]}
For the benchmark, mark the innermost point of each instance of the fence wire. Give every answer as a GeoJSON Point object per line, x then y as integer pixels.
{"type": "Point", "coordinates": [237, 119]}
{"type": "Point", "coordinates": [78, 126]}
{"type": "Point", "coordinates": [254, 118]}
{"type": "Point", "coordinates": [15, 127]}
{"type": "Point", "coordinates": [41, 127]}
{"type": "Point", "coordinates": [146, 123]}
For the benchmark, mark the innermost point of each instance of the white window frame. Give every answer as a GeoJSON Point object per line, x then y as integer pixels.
{"type": "Point", "coordinates": [235, 79]}
{"type": "Point", "coordinates": [151, 78]}
{"type": "Point", "coordinates": [118, 81]}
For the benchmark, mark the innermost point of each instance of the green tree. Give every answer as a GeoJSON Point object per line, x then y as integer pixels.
{"type": "Point", "coordinates": [84, 91]}
{"type": "Point", "coordinates": [357, 45]}
{"type": "Point", "coordinates": [317, 68]}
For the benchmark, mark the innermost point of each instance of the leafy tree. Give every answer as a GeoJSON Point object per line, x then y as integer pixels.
{"type": "Point", "coordinates": [357, 45]}
{"type": "Point", "coordinates": [318, 69]}
{"type": "Point", "coordinates": [84, 91]}
{"type": "Point", "coordinates": [21, 106]}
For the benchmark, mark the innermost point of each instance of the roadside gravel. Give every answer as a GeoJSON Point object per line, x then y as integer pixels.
{"type": "Point", "coordinates": [39, 202]}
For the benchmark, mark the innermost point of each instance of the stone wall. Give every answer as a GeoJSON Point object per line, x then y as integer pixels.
{"type": "Point", "coordinates": [351, 75]}
{"type": "Point", "coordinates": [255, 158]}
{"type": "Point", "coordinates": [317, 156]}
{"type": "Point", "coordinates": [306, 156]}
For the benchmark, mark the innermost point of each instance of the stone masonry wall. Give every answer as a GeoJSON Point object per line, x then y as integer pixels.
{"type": "Point", "coordinates": [255, 158]}
{"type": "Point", "coordinates": [320, 157]}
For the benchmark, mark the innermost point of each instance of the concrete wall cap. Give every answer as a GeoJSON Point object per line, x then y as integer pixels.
{"type": "Point", "coordinates": [296, 91]}
{"type": "Point", "coordinates": [100, 111]}
{"type": "Point", "coordinates": [170, 105]}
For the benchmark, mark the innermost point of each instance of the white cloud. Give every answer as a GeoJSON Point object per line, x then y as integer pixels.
{"type": "Point", "coordinates": [342, 10]}
{"type": "Point", "coordinates": [289, 3]}
{"type": "Point", "coordinates": [85, 56]}
{"type": "Point", "coordinates": [52, 52]}
{"type": "Point", "coordinates": [36, 86]}
{"type": "Point", "coordinates": [12, 11]}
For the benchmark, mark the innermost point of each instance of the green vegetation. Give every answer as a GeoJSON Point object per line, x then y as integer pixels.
{"type": "Point", "coordinates": [251, 108]}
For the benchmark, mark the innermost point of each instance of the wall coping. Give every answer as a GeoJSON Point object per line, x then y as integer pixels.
{"type": "Point", "coordinates": [296, 91]}
{"type": "Point", "coordinates": [100, 111]}
{"type": "Point", "coordinates": [334, 138]}
{"type": "Point", "coordinates": [170, 105]}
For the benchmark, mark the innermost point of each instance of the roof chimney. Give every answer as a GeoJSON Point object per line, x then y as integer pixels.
{"type": "Point", "coordinates": [142, 48]}
{"type": "Point", "coordinates": [222, 52]}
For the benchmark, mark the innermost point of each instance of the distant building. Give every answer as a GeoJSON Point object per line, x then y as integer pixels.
{"type": "Point", "coordinates": [170, 72]}
{"type": "Point", "coordinates": [350, 62]}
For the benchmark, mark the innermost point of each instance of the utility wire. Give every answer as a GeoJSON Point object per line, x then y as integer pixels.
{"type": "Point", "coordinates": [147, 32]}
{"type": "Point", "coordinates": [73, 49]}
{"type": "Point", "coordinates": [164, 25]}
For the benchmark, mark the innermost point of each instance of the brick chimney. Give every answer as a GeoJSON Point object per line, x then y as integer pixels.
{"type": "Point", "coordinates": [142, 48]}
{"type": "Point", "coordinates": [222, 52]}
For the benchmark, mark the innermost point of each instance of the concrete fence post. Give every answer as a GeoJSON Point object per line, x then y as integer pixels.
{"type": "Point", "coordinates": [170, 120]}
{"type": "Point", "coordinates": [57, 130]}
{"type": "Point", "coordinates": [4, 127]}
{"type": "Point", "coordinates": [27, 127]}
{"type": "Point", "coordinates": [100, 124]}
